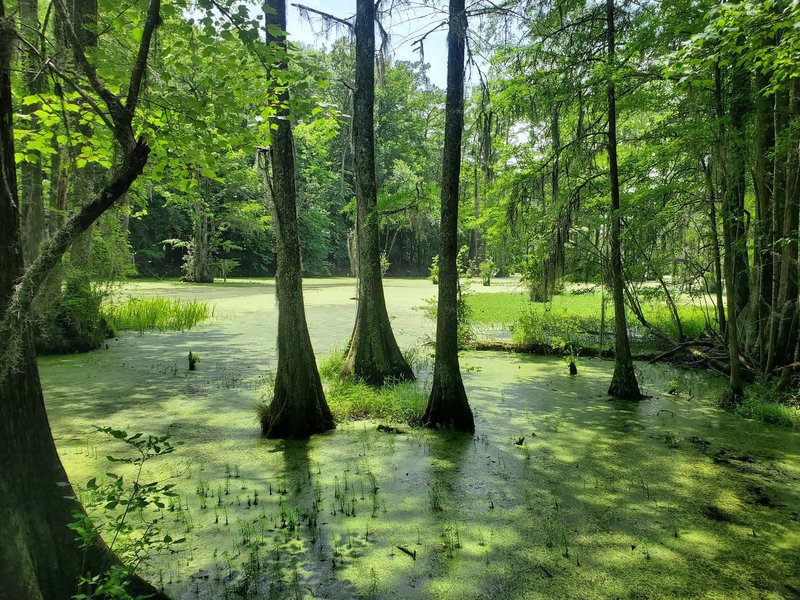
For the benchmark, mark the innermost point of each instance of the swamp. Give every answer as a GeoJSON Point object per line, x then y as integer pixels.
{"type": "Point", "coordinates": [561, 492]}
{"type": "Point", "coordinates": [416, 299]}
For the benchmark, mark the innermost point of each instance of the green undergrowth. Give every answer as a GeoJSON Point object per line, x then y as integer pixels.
{"type": "Point", "coordinates": [351, 400]}
{"type": "Point", "coordinates": [576, 319]}
{"type": "Point", "coordinates": [142, 314]}
{"type": "Point", "coordinates": [764, 402]}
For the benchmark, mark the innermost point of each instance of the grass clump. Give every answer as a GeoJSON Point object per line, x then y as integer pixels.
{"type": "Point", "coordinates": [354, 400]}
{"type": "Point", "coordinates": [763, 401]}
{"type": "Point", "coordinates": [146, 314]}
{"type": "Point", "coordinates": [399, 403]}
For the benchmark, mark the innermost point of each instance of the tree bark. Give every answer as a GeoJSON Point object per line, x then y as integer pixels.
{"type": "Point", "coordinates": [448, 405]}
{"type": "Point", "coordinates": [623, 382]}
{"type": "Point", "coordinates": [201, 243]}
{"type": "Point", "coordinates": [298, 407]}
{"type": "Point", "coordinates": [373, 355]}
{"type": "Point", "coordinates": [32, 170]}
{"type": "Point", "coordinates": [761, 300]}
{"type": "Point", "coordinates": [84, 22]}
{"type": "Point", "coordinates": [40, 557]}
{"type": "Point", "coordinates": [735, 381]}
{"type": "Point", "coordinates": [787, 300]}
{"type": "Point", "coordinates": [716, 256]}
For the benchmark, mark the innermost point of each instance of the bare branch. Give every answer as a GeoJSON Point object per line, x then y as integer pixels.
{"type": "Point", "coordinates": [325, 16]}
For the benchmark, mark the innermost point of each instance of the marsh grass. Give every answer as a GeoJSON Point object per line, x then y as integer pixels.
{"type": "Point", "coordinates": [350, 400]}
{"type": "Point", "coordinates": [764, 402]}
{"type": "Point", "coordinates": [399, 403]}
{"type": "Point", "coordinates": [353, 400]}
{"type": "Point", "coordinates": [147, 314]}
{"type": "Point", "coordinates": [575, 319]}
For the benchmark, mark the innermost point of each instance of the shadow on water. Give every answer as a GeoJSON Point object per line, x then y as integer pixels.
{"type": "Point", "coordinates": [561, 493]}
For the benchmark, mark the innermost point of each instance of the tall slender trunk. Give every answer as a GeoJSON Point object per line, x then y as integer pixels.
{"type": "Point", "coordinates": [623, 382]}
{"type": "Point", "coordinates": [736, 382]}
{"type": "Point", "coordinates": [32, 170]}
{"type": "Point", "coordinates": [84, 22]}
{"type": "Point", "coordinates": [448, 405]}
{"type": "Point", "coordinates": [787, 301]}
{"type": "Point", "coordinates": [761, 300]}
{"type": "Point", "coordinates": [201, 237]}
{"type": "Point", "coordinates": [298, 407]}
{"type": "Point", "coordinates": [373, 355]}
{"type": "Point", "coordinates": [716, 256]}
{"type": "Point", "coordinates": [736, 169]}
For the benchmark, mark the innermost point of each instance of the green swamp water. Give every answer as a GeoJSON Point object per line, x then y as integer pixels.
{"type": "Point", "coordinates": [669, 497]}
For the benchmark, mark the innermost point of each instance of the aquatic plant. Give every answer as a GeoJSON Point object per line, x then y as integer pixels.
{"type": "Point", "coordinates": [113, 502]}
{"type": "Point", "coordinates": [142, 314]}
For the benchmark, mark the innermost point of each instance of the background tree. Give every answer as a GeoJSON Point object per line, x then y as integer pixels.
{"type": "Point", "coordinates": [623, 381]}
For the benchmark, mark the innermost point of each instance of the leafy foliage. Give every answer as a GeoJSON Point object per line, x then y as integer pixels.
{"type": "Point", "coordinates": [113, 504]}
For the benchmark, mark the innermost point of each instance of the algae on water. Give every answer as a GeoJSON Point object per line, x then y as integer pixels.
{"type": "Point", "coordinates": [561, 493]}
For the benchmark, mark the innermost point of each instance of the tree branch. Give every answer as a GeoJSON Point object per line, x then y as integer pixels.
{"type": "Point", "coordinates": [325, 16]}
{"type": "Point", "coordinates": [112, 101]}
{"type": "Point", "coordinates": [140, 67]}
{"type": "Point", "coordinates": [14, 324]}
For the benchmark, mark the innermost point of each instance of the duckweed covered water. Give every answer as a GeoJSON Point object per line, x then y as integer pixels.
{"type": "Point", "coordinates": [561, 493]}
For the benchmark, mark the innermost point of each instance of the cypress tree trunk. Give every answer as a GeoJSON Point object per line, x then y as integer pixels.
{"type": "Point", "coordinates": [787, 301]}
{"type": "Point", "coordinates": [201, 241]}
{"type": "Point", "coordinates": [736, 173]}
{"type": "Point", "coordinates": [448, 405]}
{"type": "Point", "coordinates": [373, 354]}
{"type": "Point", "coordinates": [623, 382]}
{"type": "Point", "coordinates": [39, 556]}
{"type": "Point", "coordinates": [716, 256]}
{"type": "Point", "coordinates": [298, 407]}
{"type": "Point", "coordinates": [761, 300]}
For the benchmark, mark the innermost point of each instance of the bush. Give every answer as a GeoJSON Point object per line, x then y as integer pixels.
{"type": "Point", "coordinates": [74, 322]}
{"type": "Point", "coordinates": [433, 270]}
{"type": "Point", "coordinates": [560, 330]}
{"type": "Point", "coordinates": [763, 401]}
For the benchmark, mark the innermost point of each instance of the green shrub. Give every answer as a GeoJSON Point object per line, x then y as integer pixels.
{"type": "Point", "coordinates": [74, 322]}
{"type": "Point", "coordinates": [433, 270]}
{"type": "Point", "coordinates": [575, 318]}
{"type": "Point", "coordinates": [764, 402]}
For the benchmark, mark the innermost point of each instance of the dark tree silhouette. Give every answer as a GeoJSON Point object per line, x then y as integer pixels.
{"type": "Point", "coordinates": [623, 382]}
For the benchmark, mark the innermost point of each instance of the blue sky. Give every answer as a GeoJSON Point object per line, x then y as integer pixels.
{"type": "Point", "coordinates": [405, 26]}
